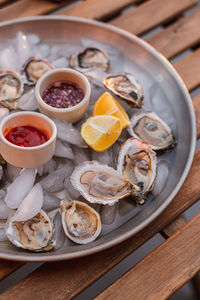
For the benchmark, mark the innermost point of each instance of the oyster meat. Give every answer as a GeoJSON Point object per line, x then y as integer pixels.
{"type": "Point", "coordinates": [81, 223]}
{"type": "Point", "coordinates": [125, 86]}
{"type": "Point", "coordinates": [11, 88]}
{"type": "Point", "coordinates": [150, 128]}
{"type": "Point", "coordinates": [137, 162]}
{"type": "Point", "coordinates": [34, 68]}
{"type": "Point", "coordinates": [89, 58]}
{"type": "Point", "coordinates": [34, 234]}
{"type": "Point", "coordinates": [101, 184]}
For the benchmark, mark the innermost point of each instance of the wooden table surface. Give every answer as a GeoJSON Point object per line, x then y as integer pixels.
{"type": "Point", "coordinates": [177, 259]}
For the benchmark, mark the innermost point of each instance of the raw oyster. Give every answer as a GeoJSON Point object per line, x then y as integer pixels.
{"type": "Point", "coordinates": [81, 223]}
{"type": "Point", "coordinates": [99, 183]}
{"type": "Point", "coordinates": [89, 58]}
{"type": "Point", "coordinates": [137, 163]}
{"type": "Point", "coordinates": [34, 68]}
{"type": "Point", "coordinates": [11, 88]}
{"type": "Point", "coordinates": [151, 129]}
{"type": "Point", "coordinates": [34, 234]}
{"type": "Point", "coordinates": [125, 86]}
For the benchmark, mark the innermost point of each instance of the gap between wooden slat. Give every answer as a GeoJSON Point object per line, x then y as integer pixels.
{"type": "Point", "coordinates": [97, 9]}
{"type": "Point", "coordinates": [179, 36]}
{"type": "Point", "coordinates": [150, 14]}
{"type": "Point", "coordinates": [196, 281]}
{"type": "Point", "coordinates": [164, 270]}
{"type": "Point", "coordinates": [71, 277]}
{"type": "Point", "coordinates": [27, 8]}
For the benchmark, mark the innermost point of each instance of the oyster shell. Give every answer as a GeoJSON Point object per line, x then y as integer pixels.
{"type": "Point", "coordinates": [81, 223]}
{"type": "Point", "coordinates": [137, 162]}
{"type": "Point", "coordinates": [99, 183]}
{"type": "Point", "coordinates": [125, 86]}
{"type": "Point", "coordinates": [89, 58]}
{"type": "Point", "coordinates": [34, 68]}
{"type": "Point", "coordinates": [34, 234]}
{"type": "Point", "coordinates": [150, 128]}
{"type": "Point", "coordinates": [11, 88]}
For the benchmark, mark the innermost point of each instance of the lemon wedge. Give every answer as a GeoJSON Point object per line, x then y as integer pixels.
{"type": "Point", "coordinates": [108, 105]}
{"type": "Point", "coordinates": [100, 132]}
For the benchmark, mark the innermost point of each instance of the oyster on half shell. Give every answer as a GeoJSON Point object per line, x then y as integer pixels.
{"type": "Point", "coordinates": [125, 86]}
{"type": "Point", "coordinates": [151, 129]}
{"type": "Point", "coordinates": [11, 88]}
{"type": "Point", "coordinates": [137, 162]}
{"type": "Point", "coordinates": [101, 184]}
{"type": "Point", "coordinates": [81, 223]}
{"type": "Point", "coordinates": [89, 58]}
{"type": "Point", "coordinates": [34, 234]}
{"type": "Point", "coordinates": [34, 68]}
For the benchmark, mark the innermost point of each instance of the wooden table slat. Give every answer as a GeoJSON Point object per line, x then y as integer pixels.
{"type": "Point", "coordinates": [71, 277]}
{"type": "Point", "coordinates": [150, 14]}
{"type": "Point", "coordinates": [8, 267]}
{"type": "Point", "coordinates": [164, 271]}
{"type": "Point", "coordinates": [189, 69]}
{"type": "Point", "coordinates": [177, 224]}
{"type": "Point", "coordinates": [196, 104]}
{"type": "Point", "coordinates": [95, 9]}
{"type": "Point", "coordinates": [179, 36]}
{"type": "Point", "coordinates": [26, 8]}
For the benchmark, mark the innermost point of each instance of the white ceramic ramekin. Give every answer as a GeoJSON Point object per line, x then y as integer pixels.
{"type": "Point", "coordinates": [27, 157]}
{"type": "Point", "coordinates": [71, 114]}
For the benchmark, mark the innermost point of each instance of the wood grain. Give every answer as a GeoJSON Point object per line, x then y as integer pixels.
{"type": "Point", "coordinates": [95, 9]}
{"type": "Point", "coordinates": [169, 230]}
{"type": "Point", "coordinates": [150, 14]}
{"type": "Point", "coordinates": [196, 104]}
{"type": "Point", "coordinates": [8, 267]}
{"type": "Point", "coordinates": [27, 8]}
{"type": "Point", "coordinates": [71, 277]}
{"type": "Point", "coordinates": [179, 36]}
{"type": "Point", "coordinates": [164, 270]}
{"type": "Point", "coordinates": [189, 69]}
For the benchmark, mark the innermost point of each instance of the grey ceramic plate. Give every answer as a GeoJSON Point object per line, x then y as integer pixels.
{"type": "Point", "coordinates": [164, 93]}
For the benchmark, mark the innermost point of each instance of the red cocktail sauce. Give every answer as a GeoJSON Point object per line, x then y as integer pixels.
{"type": "Point", "coordinates": [26, 136]}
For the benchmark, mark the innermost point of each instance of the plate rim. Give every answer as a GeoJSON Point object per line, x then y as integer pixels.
{"type": "Point", "coordinates": [124, 236]}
